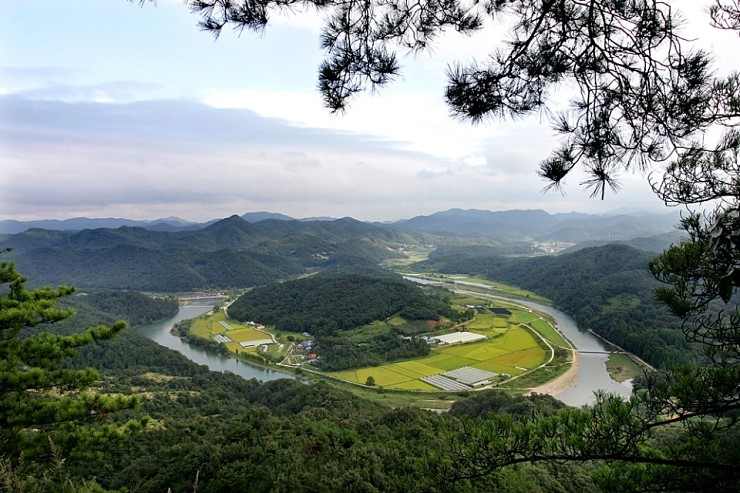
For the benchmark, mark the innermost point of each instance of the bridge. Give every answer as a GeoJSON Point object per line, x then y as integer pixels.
{"type": "Point", "coordinates": [601, 352]}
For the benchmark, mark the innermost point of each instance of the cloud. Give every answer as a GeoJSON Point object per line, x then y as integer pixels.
{"type": "Point", "coordinates": [149, 159]}
{"type": "Point", "coordinates": [108, 92]}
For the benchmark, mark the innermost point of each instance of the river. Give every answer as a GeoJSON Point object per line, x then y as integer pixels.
{"type": "Point", "coordinates": [593, 374]}
{"type": "Point", "coordinates": [160, 332]}
{"type": "Point", "coordinates": [591, 377]}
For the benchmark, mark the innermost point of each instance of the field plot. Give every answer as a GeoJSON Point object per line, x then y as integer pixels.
{"type": "Point", "coordinates": [549, 333]}
{"type": "Point", "coordinates": [523, 316]}
{"type": "Point", "coordinates": [218, 326]}
{"type": "Point", "coordinates": [513, 352]}
{"type": "Point", "coordinates": [487, 321]}
{"type": "Point", "coordinates": [388, 376]}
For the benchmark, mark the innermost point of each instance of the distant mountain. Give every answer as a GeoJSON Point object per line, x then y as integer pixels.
{"type": "Point", "coordinates": [170, 224]}
{"type": "Point", "coordinates": [230, 252]}
{"type": "Point", "coordinates": [80, 223]}
{"type": "Point", "coordinates": [471, 222]}
{"type": "Point", "coordinates": [255, 217]}
{"type": "Point", "coordinates": [518, 225]}
{"type": "Point", "coordinates": [656, 243]}
{"type": "Point", "coordinates": [318, 218]}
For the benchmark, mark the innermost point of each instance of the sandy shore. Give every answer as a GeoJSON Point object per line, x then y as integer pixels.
{"type": "Point", "coordinates": [563, 382]}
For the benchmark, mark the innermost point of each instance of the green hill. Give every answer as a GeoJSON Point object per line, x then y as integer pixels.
{"type": "Point", "coordinates": [335, 308]}
{"type": "Point", "coordinates": [607, 289]}
{"type": "Point", "coordinates": [228, 253]}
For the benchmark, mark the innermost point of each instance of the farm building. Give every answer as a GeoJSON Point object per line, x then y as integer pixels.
{"type": "Point", "coordinates": [464, 378]}
{"type": "Point", "coordinates": [258, 342]}
{"type": "Point", "coordinates": [459, 337]}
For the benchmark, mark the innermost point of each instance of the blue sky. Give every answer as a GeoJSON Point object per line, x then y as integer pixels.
{"type": "Point", "coordinates": [108, 109]}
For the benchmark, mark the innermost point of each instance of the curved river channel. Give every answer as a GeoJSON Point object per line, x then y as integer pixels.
{"type": "Point", "coordinates": [591, 377]}
{"type": "Point", "coordinates": [160, 332]}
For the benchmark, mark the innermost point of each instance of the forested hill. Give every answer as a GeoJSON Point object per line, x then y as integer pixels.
{"type": "Point", "coordinates": [324, 305]}
{"type": "Point", "coordinates": [330, 306]}
{"type": "Point", "coordinates": [607, 289]}
{"type": "Point", "coordinates": [228, 253]}
{"type": "Point", "coordinates": [106, 307]}
{"type": "Point", "coordinates": [216, 432]}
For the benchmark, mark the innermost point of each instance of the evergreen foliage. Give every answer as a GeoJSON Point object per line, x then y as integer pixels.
{"type": "Point", "coordinates": [324, 305]}
{"type": "Point", "coordinates": [607, 289]}
{"type": "Point", "coordinates": [44, 408]}
{"type": "Point", "coordinates": [329, 305]}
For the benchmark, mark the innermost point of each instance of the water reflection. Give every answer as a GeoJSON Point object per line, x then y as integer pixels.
{"type": "Point", "coordinates": [592, 376]}
{"type": "Point", "coordinates": [160, 332]}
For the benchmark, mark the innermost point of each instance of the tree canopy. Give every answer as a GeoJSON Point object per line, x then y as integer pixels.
{"type": "Point", "coordinates": [643, 95]}
{"type": "Point", "coordinates": [45, 409]}
{"type": "Point", "coordinates": [645, 99]}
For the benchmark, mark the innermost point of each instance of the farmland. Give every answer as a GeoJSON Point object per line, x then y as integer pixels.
{"type": "Point", "coordinates": [511, 349]}
{"type": "Point", "coordinates": [518, 342]}
{"type": "Point", "coordinates": [218, 324]}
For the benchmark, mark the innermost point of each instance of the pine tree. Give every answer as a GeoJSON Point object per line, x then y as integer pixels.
{"type": "Point", "coordinates": [47, 413]}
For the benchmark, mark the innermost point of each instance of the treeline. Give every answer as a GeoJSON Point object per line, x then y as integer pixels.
{"type": "Point", "coordinates": [216, 432]}
{"type": "Point", "coordinates": [105, 307]}
{"type": "Point", "coordinates": [607, 289]}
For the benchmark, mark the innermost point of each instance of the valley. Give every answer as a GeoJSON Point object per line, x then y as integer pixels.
{"type": "Point", "coordinates": [523, 350]}
{"type": "Point", "coordinates": [345, 346]}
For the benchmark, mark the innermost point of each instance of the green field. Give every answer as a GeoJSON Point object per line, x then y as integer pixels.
{"type": "Point", "coordinates": [210, 326]}
{"type": "Point", "coordinates": [510, 348]}
{"type": "Point", "coordinates": [207, 327]}
{"type": "Point", "coordinates": [548, 332]}
{"type": "Point", "coordinates": [513, 352]}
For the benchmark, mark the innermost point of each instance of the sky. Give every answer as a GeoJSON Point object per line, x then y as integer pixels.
{"type": "Point", "coordinates": [111, 109]}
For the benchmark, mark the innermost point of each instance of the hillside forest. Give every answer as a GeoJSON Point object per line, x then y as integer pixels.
{"type": "Point", "coordinates": [140, 417]}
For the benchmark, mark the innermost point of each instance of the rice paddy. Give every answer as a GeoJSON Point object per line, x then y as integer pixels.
{"type": "Point", "coordinates": [510, 349]}
{"type": "Point", "coordinates": [218, 324]}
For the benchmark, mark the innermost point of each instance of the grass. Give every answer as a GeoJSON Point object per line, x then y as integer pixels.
{"type": "Point", "coordinates": [367, 332]}
{"type": "Point", "coordinates": [621, 367]}
{"type": "Point", "coordinates": [548, 332]}
{"type": "Point", "coordinates": [514, 352]}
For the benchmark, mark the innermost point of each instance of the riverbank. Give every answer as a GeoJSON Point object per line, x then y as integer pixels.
{"type": "Point", "coordinates": [564, 382]}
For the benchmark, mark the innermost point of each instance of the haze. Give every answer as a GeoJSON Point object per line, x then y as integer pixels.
{"type": "Point", "coordinates": [109, 109]}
